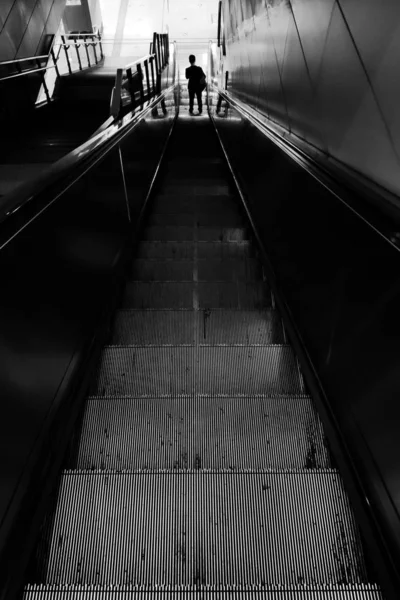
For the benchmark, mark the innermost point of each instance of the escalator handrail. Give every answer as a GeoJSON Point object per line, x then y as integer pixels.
{"type": "Point", "coordinates": [139, 60]}
{"type": "Point", "coordinates": [66, 171]}
{"type": "Point", "coordinates": [375, 219]}
{"type": "Point", "coordinates": [37, 70]}
{"type": "Point", "coordinates": [19, 60]}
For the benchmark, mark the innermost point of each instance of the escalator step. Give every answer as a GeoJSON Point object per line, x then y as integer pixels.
{"type": "Point", "coordinates": [200, 219]}
{"type": "Point", "coordinates": [219, 250]}
{"type": "Point", "coordinates": [162, 270]}
{"type": "Point", "coordinates": [187, 189]}
{"type": "Point", "coordinates": [217, 370]}
{"type": "Point", "coordinates": [178, 233]}
{"type": "Point", "coordinates": [203, 432]}
{"type": "Point", "coordinates": [185, 250]}
{"type": "Point", "coordinates": [247, 269]}
{"type": "Point", "coordinates": [225, 294]}
{"type": "Point", "coordinates": [169, 327]}
{"type": "Point", "coordinates": [209, 527]}
{"type": "Point", "coordinates": [220, 592]}
{"type": "Point", "coordinates": [174, 203]}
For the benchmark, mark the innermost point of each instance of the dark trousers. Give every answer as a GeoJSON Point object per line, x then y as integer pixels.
{"type": "Point", "coordinates": [192, 93]}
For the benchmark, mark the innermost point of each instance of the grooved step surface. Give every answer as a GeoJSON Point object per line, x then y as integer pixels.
{"type": "Point", "coordinates": [176, 233]}
{"type": "Point", "coordinates": [227, 370]}
{"type": "Point", "coordinates": [189, 203]}
{"type": "Point", "coordinates": [226, 219]}
{"type": "Point", "coordinates": [225, 294]}
{"type": "Point", "coordinates": [185, 250]}
{"type": "Point", "coordinates": [220, 592]}
{"type": "Point", "coordinates": [201, 432]}
{"type": "Point", "coordinates": [169, 327]}
{"type": "Point", "coordinates": [201, 526]}
{"type": "Point", "coordinates": [200, 189]}
{"type": "Point", "coordinates": [162, 270]}
{"type": "Point", "coordinates": [240, 269]}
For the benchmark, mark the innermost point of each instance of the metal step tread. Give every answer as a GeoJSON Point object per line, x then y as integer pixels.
{"type": "Point", "coordinates": [232, 269]}
{"type": "Point", "coordinates": [192, 327]}
{"type": "Point", "coordinates": [203, 432]}
{"type": "Point", "coordinates": [233, 218]}
{"type": "Point", "coordinates": [203, 250]}
{"type": "Point", "coordinates": [202, 294]}
{"type": "Point", "coordinates": [174, 527]}
{"type": "Point", "coordinates": [172, 202]}
{"type": "Point", "coordinates": [182, 233]}
{"type": "Point", "coordinates": [359, 591]}
{"type": "Point", "coordinates": [186, 188]}
{"type": "Point", "coordinates": [216, 370]}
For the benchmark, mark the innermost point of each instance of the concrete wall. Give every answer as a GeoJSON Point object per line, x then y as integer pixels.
{"type": "Point", "coordinates": [327, 71]}
{"type": "Point", "coordinates": [25, 26]}
{"type": "Point", "coordinates": [77, 17]}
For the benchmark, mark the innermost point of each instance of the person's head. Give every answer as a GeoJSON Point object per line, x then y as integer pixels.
{"type": "Point", "coordinates": [192, 59]}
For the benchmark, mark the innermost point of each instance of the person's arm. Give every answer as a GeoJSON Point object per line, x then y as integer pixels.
{"type": "Point", "coordinates": [202, 72]}
{"type": "Point", "coordinates": [186, 73]}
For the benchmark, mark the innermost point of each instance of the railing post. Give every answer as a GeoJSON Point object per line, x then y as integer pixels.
{"type": "Point", "coordinates": [152, 75]}
{"type": "Point", "coordinates": [66, 48]}
{"type": "Point", "coordinates": [155, 50]}
{"type": "Point", "coordinates": [146, 68]}
{"type": "Point", "coordinates": [166, 49]}
{"type": "Point", "coordinates": [94, 51]}
{"type": "Point", "coordinates": [115, 106]}
{"type": "Point", "coordinates": [100, 45]}
{"type": "Point", "coordinates": [158, 53]}
{"type": "Point", "coordinates": [53, 55]}
{"type": "Point", "coordinates": [140, 77]}
{"type": "Point", "coordinates": [43, 78]}
{"type": "Point", "coordinates": [157, 62]}
{"type": "Point", "coordinates": [130, 87]}
{"type": "Point", "coordinates": [77, 46]}
{"type": "Point", "coordinates": [162, 41]}
{"type": "Point", "coordinates": [87, 52]}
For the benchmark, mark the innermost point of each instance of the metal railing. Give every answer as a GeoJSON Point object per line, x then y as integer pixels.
{"type": "Point", "coordinates": [76, 41]}
{"type": "Point", "coordinates": [134, 87]}
{"type": "Point", "coordinates": [82, 46]}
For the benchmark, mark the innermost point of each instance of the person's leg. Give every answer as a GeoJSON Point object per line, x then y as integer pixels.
{"type": "Point", "coordinates": [199, 101]}
{"type": "Point", "coordinates": [191, 100]}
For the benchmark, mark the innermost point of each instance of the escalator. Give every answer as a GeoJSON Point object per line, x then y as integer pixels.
{"type": "Point", "coordinates": [200, 465]}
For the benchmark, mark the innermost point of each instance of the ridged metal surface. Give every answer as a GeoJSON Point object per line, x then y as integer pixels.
{"type": "Point", "coordinates": [201, 432]}
{"type": "Point", "coordinates": [185, 250]}
{"type": "Point", "coordinates": [218, 592]}
{"type": "Point", "coordinates": [226, 370]}
{"type": "Point", "coordinates": [174, 527]}
{"type": "Point", "coordinates": [178, 203]}
{"type": "Point", "coordinates": [190, 294]}
{"type": "Point", "coordinates": [239, 269]}
{"type": "Point", "coordinates": [162, 270]}
{"type": "Point", "coordinates": [231, 218]}
{"type": "Point", "coordinates": [188, 189]}
{"type": "Point", "coordinates": [177, 327]}
{"type": "Point", "coordinates": [176, 233]}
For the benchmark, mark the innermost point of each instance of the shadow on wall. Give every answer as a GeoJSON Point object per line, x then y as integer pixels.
{"type": "Point", "coordinates": [326, 71]}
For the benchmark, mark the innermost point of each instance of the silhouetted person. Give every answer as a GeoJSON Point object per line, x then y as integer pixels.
{"type": "Point", "coordinates": [196, 85]}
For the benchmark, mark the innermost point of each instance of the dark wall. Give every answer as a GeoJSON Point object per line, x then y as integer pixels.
{"type": "Point", "coordinates": [27, 25]}
{"type": "Point", "coordinates": [326, 70]}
